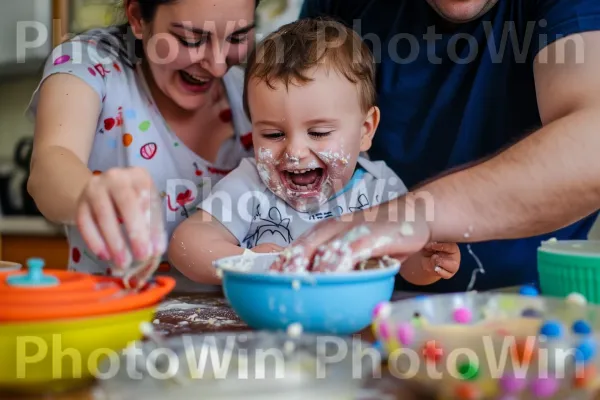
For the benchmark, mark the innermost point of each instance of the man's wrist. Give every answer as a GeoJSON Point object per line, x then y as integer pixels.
{"type": "Point", "coordinates": [417, 210]}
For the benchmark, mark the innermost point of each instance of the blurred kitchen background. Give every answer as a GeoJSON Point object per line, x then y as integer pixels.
{"type": "Point", "coordinates": [23, 232]}
{"type": "Point", "coordinates": [21, 225]}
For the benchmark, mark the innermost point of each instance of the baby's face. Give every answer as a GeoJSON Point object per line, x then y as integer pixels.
{"type": "Point", "coordinates": [307, 137]}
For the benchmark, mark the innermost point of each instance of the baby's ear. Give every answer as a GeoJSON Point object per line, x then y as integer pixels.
{"type": "Point", "coordinates": [368, 128]}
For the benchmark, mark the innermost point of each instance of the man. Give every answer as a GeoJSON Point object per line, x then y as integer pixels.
{"type": "Point", "coordinates": [511, 87]}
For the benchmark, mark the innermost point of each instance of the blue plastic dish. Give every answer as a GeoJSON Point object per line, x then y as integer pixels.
{"type": "Point", "coordinates": [327, 303]}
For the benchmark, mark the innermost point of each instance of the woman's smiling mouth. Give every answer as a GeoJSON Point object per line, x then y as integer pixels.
{"type": "Point", "coordinates": [195, 83]}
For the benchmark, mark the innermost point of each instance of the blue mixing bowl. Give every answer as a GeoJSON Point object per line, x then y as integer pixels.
{"type": "Point", "coordinates": [327, 303]}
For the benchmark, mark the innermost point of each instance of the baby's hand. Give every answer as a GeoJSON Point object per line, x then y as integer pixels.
{"type": "Point", "coordinates": [267, 248]}
{"type": "Point", "coordinates": [441, 259]}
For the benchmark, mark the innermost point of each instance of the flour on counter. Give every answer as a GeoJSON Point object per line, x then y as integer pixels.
{"type": "Point", "coordinates": [177, 305]}
{"type": "Point", "coordinates": [190, 314]}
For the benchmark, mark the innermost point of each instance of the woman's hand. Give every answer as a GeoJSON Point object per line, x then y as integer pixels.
{"type": "Point", "coordinates": [122, 196]}
{"type": "Point", "coordinates": [341, 244]}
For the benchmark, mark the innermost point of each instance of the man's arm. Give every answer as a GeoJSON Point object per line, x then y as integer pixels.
{"type": "Point", "coordinates": [546, 181]}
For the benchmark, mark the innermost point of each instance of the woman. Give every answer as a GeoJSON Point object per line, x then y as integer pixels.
{"type": "Point", "coordinates": [153, 106]}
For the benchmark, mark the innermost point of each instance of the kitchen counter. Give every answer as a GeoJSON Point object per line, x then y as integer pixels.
{"type": "Point", "coordinates": [29, 226]}
{"type": "Point", "coordinates": [215, 315]}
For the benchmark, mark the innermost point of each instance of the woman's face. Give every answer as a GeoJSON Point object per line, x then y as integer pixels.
{"type": "Point", "coordinates": [190, 44]}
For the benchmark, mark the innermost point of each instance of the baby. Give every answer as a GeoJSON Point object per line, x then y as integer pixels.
{"type": "Point", "coordinates": [310, 95]}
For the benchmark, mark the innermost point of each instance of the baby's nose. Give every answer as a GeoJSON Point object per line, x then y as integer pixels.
{"type": "Point", "coordinates": [296, 152]}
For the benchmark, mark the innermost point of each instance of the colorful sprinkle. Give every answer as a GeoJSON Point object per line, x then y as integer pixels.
{"type": "Point", "coordinates": [523, 351]}
{"type": "Point", "coordinates": [544, 387]}
{"type": "Point", "coordinates": [384, 331]}
{"type": "Point", "coordinates": [418, 321]}
{"type": "Point", "coordinates": [432, 352]}
{"type": "Point", "coordinates": [468, 370]}
{"type": "Point", "coordinates": [581, 327]}
{"type": "Point", "coordinates": [512, 384]}
{"type": "Point", "coordinates": [508, 303]}
{"type": "Point", "coordinates": [585, 351]}
{"type": "Point", "coordinates": [528, 290]}
{"type": "Point", "coordinates": [584, 377]}
{"type": "Point", "coordinates": [463, 315]}
{"type": "Point", "coordinates": [551, 329]}
{"type": "Point", "coordinates": [406, 333]}
{"type": "Point", "coordinates": [378, 346]}
{"type": "Point", "coordinates": [467, 391]}
{"type": "Point", "coordinates": [382, 310]}
{"type": "Point", "coordinates": [577, 299]}
{"type": "Point", "coordinates": [375, 328]}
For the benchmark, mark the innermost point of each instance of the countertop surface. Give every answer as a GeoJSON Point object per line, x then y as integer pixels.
{"type": "Point", "coordinates": [29, 225]}
{"type": "Point", "coordinates": [205, 313]}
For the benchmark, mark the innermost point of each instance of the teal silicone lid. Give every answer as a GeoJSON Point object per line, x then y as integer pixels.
{"type": "Point", "coordinates": [34, 277]}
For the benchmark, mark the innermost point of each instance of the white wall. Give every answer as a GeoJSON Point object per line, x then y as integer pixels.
{"type": "Point", "coordinates": [15, 11]}
{"type": "Point", "coordinates": [13, 124]}
{"type": "Point", "coordinates": [17, 91]}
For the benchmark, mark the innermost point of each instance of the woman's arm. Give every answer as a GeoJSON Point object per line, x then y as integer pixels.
{"type": "Point", "coordinates": [66, 191]}
{"type": "Point", "coordinates": [65, 124]}
{"type": "Point", "coordinates": [197, 243]}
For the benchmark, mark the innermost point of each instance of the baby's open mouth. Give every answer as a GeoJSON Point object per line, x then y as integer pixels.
{"type": "Point", "coordinates": [303, 180]}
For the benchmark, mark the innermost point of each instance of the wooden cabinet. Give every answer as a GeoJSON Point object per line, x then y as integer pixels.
{"type": "Point", "coordinates": [60, 21]}
{"type": "Point", "coordinates": [25, 237]}
{"type": "Point", "coordinates": [18, 248]}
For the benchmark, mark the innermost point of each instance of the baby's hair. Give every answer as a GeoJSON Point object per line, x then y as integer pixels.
{"type": "Point", "coordinates": [288, 53]}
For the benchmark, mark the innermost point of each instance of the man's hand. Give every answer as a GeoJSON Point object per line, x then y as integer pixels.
{"type": "Point", "coordinates": [341, 244]}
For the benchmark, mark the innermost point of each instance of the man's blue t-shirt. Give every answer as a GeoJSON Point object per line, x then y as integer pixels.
{"type": "Point", "coordinates": [451, 95]}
